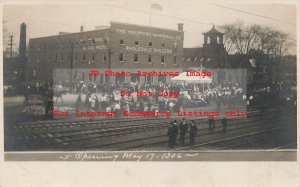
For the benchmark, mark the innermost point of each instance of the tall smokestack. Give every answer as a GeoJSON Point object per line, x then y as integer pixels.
{"type": "Point", "coordinates": [81, 28]}
{"type": "Point", "coordinates": [22, 45]}
{"type": "Point", "coordinates": [180, 26]}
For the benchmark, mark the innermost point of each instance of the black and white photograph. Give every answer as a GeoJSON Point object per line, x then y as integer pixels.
{"type": "Point", "coordinates": [150, 81]}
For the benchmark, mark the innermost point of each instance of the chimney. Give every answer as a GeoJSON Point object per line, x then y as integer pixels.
{"type": "Point", "coordinates": [22, 45]}
{"type": "Point", "coordinates": [180, 27]}
{"type": "Point", "coordinates": [81, 28]}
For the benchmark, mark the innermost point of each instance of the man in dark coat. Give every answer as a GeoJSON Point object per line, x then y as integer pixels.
{"type": "Point", "coordinates": [170, 134]}
{"type": "Point", "coordinates": [224, 124]}
{"type": "Point", "coordinates": [183, 127]}
{"type": "Point", "coordinates": [193, 132]}
{"type": "Point", "coordinates": [49, 106]}
{"type": "Point", "coordinates": [211, 124]}
{"type": "Point", "coordinates": [175, 132]}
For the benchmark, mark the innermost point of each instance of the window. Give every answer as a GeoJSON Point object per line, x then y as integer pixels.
{"type": "Point", "coordinates": [136, 57]}
{"type": "Point", "coordinates": [149, 58]}
{"type": "Point", "coordinates": [136, 43]}
{"type": "Point", "coordinates": [150, 44]}
{"type": "Point", "coordinates": [162, 45]}
{"type": "Point", "coordinates": [162, 59]}
{"type": "Point", "coordinates": [121, 42]}
{"type": "Point", "coordinates": [121, 59]}
{"type": "Point", "coordinates": [83, 56]}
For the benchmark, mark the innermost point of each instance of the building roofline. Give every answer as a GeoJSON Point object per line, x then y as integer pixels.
{"type": "Point", "coordinates": [109, 27]}
{"type": "Point", "coordinates": [145, 26]}
{"type": "Point", "coordinates": [69, 34]}
{"type": "Point", "coordinates": [214, 31]}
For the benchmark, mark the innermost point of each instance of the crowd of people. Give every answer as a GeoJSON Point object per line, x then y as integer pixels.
{"type": "Point", "coordinates": [107, 96]}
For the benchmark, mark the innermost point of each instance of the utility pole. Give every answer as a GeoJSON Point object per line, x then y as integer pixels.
{"type": "Point", "coordinates": [11, 45]}
{"type": "Point", "coordinates": [71, 65]}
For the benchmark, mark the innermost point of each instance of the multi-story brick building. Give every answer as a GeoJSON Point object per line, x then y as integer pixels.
{"type": "Point", "coordinates": [120, 46]}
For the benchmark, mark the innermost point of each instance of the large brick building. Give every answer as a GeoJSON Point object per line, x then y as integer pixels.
{"type": "Point", "coordinates": [119, 46]}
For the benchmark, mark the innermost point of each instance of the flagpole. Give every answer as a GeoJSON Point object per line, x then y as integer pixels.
{"type": "Point", "coordinates": [150, 16]}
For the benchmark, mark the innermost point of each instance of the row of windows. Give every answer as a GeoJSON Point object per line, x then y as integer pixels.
{"type": "Point", "coordinates": [122, 59]}
{"type": "Point", "coordinates": [92, 42]}
{"type": "Point", "coordinates": [62, 44]}
{"type": "Point", "coordinates": [136, 43]}
{"type": "Point", "coordinates": [136, 58]}
{"type": "Point", "coordinates": [93, 57]}
{"type": "Point", "coordinates": [76, 56]}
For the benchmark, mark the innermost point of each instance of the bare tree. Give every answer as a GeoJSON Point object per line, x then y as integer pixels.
{"type": "Point", "coordinates": [242, 39]}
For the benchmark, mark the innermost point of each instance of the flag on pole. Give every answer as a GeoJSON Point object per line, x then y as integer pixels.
{"type": "Point", "coordinates": [156, 6]}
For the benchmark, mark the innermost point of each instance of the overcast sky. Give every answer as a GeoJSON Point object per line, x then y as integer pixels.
{"type": "Point", "coordinates": [46, 20]}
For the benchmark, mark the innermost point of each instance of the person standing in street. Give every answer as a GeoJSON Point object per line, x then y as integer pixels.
{"type": "Point", "coordinates": [224, 124]}
{"type": "Point", "coordinates": [193, 132]}
{"type": "Point", "coordinates": [211, 124]}
{"type": "Point", "coordinates": [183, 127]}
{"type": "Point", "coordinates": [175, 132]}
{"type": "Point", "coordinates": [170, 134]}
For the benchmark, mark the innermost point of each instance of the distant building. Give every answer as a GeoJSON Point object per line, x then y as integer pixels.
{"type": "Point", "coordinates": [213, 56]}
{"type": "Point", "coordinates": [119, 46]}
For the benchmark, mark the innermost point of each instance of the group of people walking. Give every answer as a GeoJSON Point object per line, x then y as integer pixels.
{"type": "Point", "coordinates": [174, 129]}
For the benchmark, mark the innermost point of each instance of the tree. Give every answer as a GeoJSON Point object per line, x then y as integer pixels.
{"type": "Point", "coordinates": [266, 44]}
{"type": "Point", "coordinates": [241, 39]}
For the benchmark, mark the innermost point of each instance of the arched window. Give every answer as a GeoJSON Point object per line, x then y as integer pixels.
{"type": "Point", "coordinates": [218, 40]}
{"type": "Point", "coordinates": [208, 40]}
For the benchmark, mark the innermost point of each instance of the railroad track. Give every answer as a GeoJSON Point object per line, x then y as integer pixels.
{"type": "Point", "coordinates": [257, 138]}
{"type": "Point", "coordinates": [230, 143]}
{"type": "Point", "coordinates": [87, 135]}
{"type": "Point", "coordinates": [49, 123]}
{"type": "Point", "coordinates": [216, 143]}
